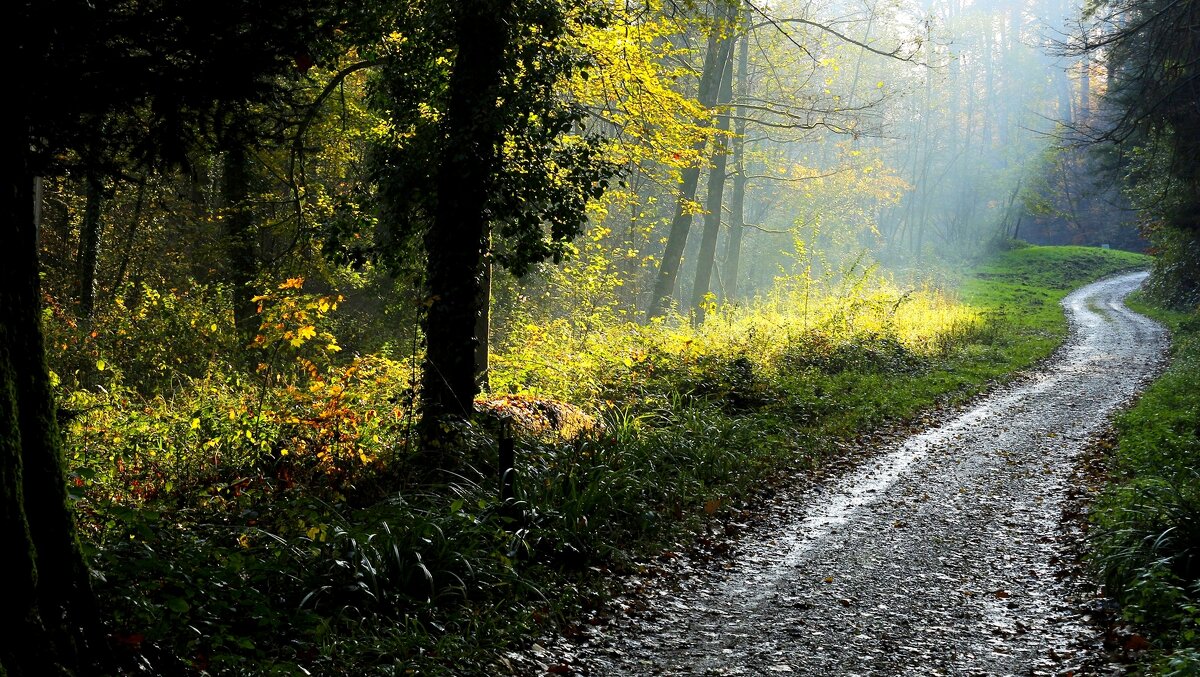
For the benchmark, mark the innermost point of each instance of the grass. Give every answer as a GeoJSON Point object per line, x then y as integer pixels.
{"type": "Point", "coordinates": [1146, 537]}
{"type": "Point", "coordinates": [264, 524]}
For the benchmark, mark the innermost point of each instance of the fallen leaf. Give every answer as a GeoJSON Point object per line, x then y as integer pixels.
{"type": "Point", "coordinates": [1136, 643]}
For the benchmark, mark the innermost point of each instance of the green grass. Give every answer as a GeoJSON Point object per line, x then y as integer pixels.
{"type": "Point", "coordinates": [1146, 536]}
{"type": "Point", "coordinates": [311, 565]}
{"type": "Point", "coordinates": [1017, 292]}
{"type": "Point", "coordinates": [1031, 281]}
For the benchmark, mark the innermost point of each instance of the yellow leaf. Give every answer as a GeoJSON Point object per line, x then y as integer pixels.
{"type": "Point", "coordinates": [100, 365]}
{"type": "Point", "coordinates": [293, 283]}
{"type": "Point", "coordinates": [195, 424]}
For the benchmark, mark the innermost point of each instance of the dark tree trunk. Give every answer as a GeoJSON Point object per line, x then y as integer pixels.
{"type": "Point", "coordinates": [89, 245]}
{"type": "Point", "coordinates": [50, 620]}
{"type": "Point", "coordinates": [240, 240]}
{"type": "Point", "coordinates": [483, 328]}
{"type": "Point", "coordinates": [715, 60]}
{"type": "Point", "coordinates": [130, 236]}
{"type": "Point", "coordinates": [713, 199]}
{"type": "Point", "coordinates": [456, 241]}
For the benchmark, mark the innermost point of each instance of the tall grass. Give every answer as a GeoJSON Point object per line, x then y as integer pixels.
{"type": "Point", "coordinates": [589, 363]}
{"type": "Point", "coordinates": [1146, 536]}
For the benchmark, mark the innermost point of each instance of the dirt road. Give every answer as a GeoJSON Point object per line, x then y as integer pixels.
{"type": "Point", "coordinates": [936, 557]}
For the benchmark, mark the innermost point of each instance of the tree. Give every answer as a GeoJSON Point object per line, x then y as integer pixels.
{"type": "Point", "coordinates": [455, 243]}
{"type": "Point", "coordinates": [706, 259]}
{"type": "Point", "coordinates": [1153, 62]}
{"type": "Point", "coordinates": [51, 622]}
{"type": "Point", "coordinates": [737, 201]}
{"type": "Point", "coordinates": [716, 61]}
{"type": "Point", "coordinates": [237, 184]}
{"type": "Point", "coordinates": [481, 165]}
{"type": "Point", "coordinates": [155, 76]}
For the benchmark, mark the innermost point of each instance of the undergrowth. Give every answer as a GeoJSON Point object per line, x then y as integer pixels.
{"type": "Point", "coordinates": [1146, 536]}
{"type": "Point", "coordinates": [268, 514]}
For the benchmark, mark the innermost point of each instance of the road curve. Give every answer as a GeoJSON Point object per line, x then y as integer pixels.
{"type": "Point", "coordinates": [935, 557]}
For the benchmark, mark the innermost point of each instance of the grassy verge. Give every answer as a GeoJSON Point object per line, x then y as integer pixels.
{"type": "Point", "coordinates": [262, 523]}
{"type": "Point", "coordinates": [1146, 535]}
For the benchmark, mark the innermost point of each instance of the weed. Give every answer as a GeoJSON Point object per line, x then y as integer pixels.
{"type": "Point", "coordinates": [1146, 540]}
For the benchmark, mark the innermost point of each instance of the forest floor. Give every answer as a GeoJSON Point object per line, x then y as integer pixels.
{"type": "Point", "coordinates": [942, 553]}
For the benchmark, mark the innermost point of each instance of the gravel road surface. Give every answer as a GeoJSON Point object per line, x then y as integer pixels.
{"type": "Point", "coordinates": [940, 555]}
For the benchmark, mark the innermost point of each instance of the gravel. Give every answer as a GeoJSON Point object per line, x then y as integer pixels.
{"type": "Point", "coordinates": [939, 555]}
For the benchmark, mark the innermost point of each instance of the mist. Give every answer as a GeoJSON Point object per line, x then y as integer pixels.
{"type": "Point", "coordinates": [924, 140]}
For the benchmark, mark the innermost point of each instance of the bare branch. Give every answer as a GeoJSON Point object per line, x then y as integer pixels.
{"type": "Point", "coordinates": [778, 25]}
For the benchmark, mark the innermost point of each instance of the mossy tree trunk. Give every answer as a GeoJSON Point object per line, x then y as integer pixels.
{"type": "Point", "coordinates": [50, 621]}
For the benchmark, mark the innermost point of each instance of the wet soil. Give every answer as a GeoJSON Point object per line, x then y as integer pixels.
{"type": "Point", "coordinates": [942, 554]}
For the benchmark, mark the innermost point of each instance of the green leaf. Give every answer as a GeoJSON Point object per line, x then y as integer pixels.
{"type": "Point", "coordinates": [178, 605]}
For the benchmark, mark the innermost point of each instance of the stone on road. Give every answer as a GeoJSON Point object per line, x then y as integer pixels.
{"type": "Point", "coordinates": [935, 557]}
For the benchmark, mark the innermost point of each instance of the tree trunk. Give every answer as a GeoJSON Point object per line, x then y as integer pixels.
{"type": "Point", "coordinates": [713, 199]}
{"type": "Point", "coordinates": [50, 619]}
{"type": "Point", "coordinates": [715, 60]}
{"type": "Point", "coordinates": [1062, 82]}
{"type": "Point", "coordinates": [240, 240]}
{"type": "Point", "coordinates": [483, 328]}
{"type": "Point", "coordinates": [456, 242]}
{"type": "Point", "coordinates": [1085, 88]}
{"type": "Point", "coordinates": [89, 245]}
{"type": "Point", "coordinates": [130, 236]}
{"type": "Point", "coordinates": [737, 200]}
{"type": "Point", "coordinates": [929, 144]}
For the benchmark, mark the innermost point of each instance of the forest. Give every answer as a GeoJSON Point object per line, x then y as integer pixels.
{"type": "Point", "coordinates": [387, 338]}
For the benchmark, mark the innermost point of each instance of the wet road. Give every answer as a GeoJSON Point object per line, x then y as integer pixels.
{"type": "Point", "coordinates": [935, 557]}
